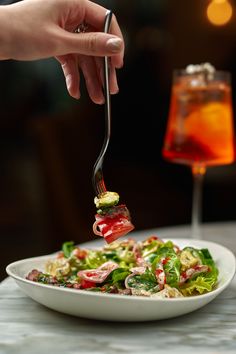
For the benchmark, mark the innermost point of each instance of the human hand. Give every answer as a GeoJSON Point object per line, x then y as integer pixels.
{"type": "Point", "coordinates": [40, 29]}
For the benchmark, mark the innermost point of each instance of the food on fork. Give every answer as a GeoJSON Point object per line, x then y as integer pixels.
{"type": "Point", "coordinates": [106, 200]}
{"type": "Point", "coordinates": [112, 220]}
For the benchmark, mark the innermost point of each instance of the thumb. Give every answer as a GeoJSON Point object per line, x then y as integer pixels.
{"type": "Point", "coordinates": [93, 43]}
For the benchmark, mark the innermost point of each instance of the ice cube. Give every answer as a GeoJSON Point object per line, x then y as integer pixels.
{"type": "Point", "coordinates": [200, 68]}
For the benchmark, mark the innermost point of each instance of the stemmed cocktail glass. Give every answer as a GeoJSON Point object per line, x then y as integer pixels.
{"type": "Point", "coordinates": [200, 126]}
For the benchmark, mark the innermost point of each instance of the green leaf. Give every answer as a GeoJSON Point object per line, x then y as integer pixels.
{"type": "Point", "coordinates": [168, 244]}
{"type": "Point", "coordinates": [150, 258]}
{"type": "Point", "coordinates": [94, 259]}
{"type": "Point", "coordinates": [208, 260]}
{"type": "Point", "coordinates": [111, 255]}
{"type": "Point", "coordinates": [126, 256]}
{"type": "Point", "coordinates": [206, 254]}
{"type": "Point", "coordinates": [172, 265]}
{"type": "Point", "coordinates": [199, 285]}
{"type": "Point", "coordinates": [119, 275]}
{"type": "Point", "coordinates": [146, 281]}
{"type": "Point", "coordinates": [172, 270]}
{"type": "Point", "coordinates": [67, 248]}
{"type": "Point", "coordinates": [43, 278]}
{"type": "Point", "coordinates": [162, 252]}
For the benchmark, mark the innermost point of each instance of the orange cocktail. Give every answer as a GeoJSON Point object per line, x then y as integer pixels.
{"type": "Point", "coordinates": [200, 125]}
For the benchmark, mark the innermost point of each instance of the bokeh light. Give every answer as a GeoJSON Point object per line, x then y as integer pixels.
{"type": "Point", "coordinates": [219, 12]}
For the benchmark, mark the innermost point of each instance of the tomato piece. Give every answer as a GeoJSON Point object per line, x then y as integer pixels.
{"type": "Point", "coordinates": [118, 231]}
{"type": "Point", "coordinates": [114, 227]}
{"type": "Point", "coordinates": [80, 254]}
{"type": "Point", "coordinates": [152, 238]}
{"type": "Point", "coordinates": [91, 274]}
{"type": "Point", "coordinates": [158, 272]}
{"type": "Point", "coordinates": [166, 260]}
{"type": "Point", "coordinates": [114, 224]}
{"type": "Point", "coordinates": [85, 284]}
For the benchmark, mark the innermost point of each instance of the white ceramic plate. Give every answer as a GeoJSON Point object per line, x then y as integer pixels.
{"type": "Point", "coordinates": [121, 307]}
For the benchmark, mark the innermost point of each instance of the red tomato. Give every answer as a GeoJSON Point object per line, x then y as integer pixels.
{"type": "Point", "coordinates": [165, 260]}
{"type": "Point", "coordinates": [81, 254]}
{"type": "Point", "coordinates": [113, 228]}
{"type": "Point", "coordinates": [152, 238]}
{"type": "Point", "coordinates": [85, 284]}
{"type": "Point", "coordinates": [114, 224]}
{"type": "Point", "coordinates": [118, 231]}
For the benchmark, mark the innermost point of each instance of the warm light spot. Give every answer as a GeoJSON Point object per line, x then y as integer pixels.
{"type": "Point", "coordinates": [219, 12]}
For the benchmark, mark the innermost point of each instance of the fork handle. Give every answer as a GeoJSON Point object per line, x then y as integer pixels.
{"type": "Point", "coordinates": [98, 180]}
{"type": "Point", "coordinates": [107, 24]}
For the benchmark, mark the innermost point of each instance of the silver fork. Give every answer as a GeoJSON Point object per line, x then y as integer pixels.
{"type": "Point", "coordinates": [98, 180]}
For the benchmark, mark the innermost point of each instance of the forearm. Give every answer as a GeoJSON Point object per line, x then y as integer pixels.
{"type": "Point", "coordinates": [5, 32]}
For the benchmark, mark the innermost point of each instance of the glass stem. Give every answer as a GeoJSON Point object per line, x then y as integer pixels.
{"type": "Point", "coordinates": [198, 173]}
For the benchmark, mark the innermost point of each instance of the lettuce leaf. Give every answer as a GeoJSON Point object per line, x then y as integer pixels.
{"type": "Point", "coordinates": [119, 275]}
{"type": "Point", "coordinates": [94, 259]}
{"type": "Point", "coordinates": [172, 271]}
{"type": "Point", "coordinates": [171, 266]}
{"type": "Point", "coordinates": [126, 256]}
{"type": "Point", "coordinates": [203, 282]}
{"type": "Point", "coordinates": [67, 248]}
{"type": "Point", "coordinates": [208, 260]}
{"type": "Point", "coordinates": [199, 285]}
{"type": "Point", "coordinates": [112, 255]}
{"type": "Point", "coordinates": [146, 281]}
{"type": "Point", "coordinates": [168, 244]}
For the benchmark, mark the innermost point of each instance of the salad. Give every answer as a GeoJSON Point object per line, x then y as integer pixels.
{"type": "Point", "coordinates": [152, 268]}
{"type": "Point", "coordinates": [112, 220]}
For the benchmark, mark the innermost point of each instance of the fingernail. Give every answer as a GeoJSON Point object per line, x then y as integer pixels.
{"type": "Point", "coordinates": [120, 66]}
{"type": "Point", "coordinates": [101, 101]}
{"type": "Point", "coordinates": [115, 92]}
{"type": "Point", "coordinates": [77, 95]}
{"type": "Point", "coordinates": [114, 45]}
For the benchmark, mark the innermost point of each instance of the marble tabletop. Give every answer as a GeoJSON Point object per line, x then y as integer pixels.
{"type": "Point", "coordinates": [28, 327]}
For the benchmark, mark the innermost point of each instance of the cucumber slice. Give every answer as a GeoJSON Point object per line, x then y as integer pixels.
{"type": "Point", "coordinates": [106, 199]}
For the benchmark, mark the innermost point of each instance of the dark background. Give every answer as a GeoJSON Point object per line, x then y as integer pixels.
{"type": "Point", "coordinates": [49, 141]}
